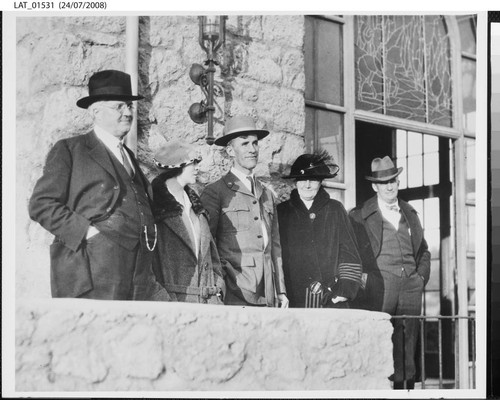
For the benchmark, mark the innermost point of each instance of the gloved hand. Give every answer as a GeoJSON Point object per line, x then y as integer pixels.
{"type": "Point", "coordinates": [330, 297]}
{"type": "Point", "coordinates": [327, 297]}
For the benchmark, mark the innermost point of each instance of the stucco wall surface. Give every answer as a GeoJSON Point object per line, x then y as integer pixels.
{"type": "Point", "coordinates": [85, 345]}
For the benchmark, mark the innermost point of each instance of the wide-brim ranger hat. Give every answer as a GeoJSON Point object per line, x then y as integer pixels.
{"type": "Point", "coordinates": [316, 166]}
{"type": "Point", "coordinates": [383, 170]}
{"type": "Point", "coordinates": [108, 85]}
{"type": "Point", "coordinates": [175, 154]}
{"type": "Point", "coordinates": [240, 125]}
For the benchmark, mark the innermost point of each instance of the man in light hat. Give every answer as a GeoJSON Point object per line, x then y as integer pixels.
{"type": "Point", "coordinates": [395, 257]}
{"type": "Point", "coordinates": [244, 222]}
{"type": "Point", "coordinates": [95, 200]}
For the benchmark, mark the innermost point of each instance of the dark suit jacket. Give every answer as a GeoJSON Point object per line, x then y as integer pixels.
{"type": "Point", "coordinates": [235, 222]}
{"type": "Point", "coordinates": [368, 225]}
{"type": "Point", "coordinates": [79, 186]}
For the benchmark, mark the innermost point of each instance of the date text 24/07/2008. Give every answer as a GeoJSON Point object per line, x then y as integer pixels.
{"type": "Point", "coordinates": [61, 5]}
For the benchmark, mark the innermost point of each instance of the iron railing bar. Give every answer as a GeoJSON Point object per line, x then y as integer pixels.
{"type": "Point", "coordinates": [456, 352]}
{"type": "Point", "coordinates": [422, 352]}
{"type": "Point", "coordinates": [473, 326]}
{"type": "Point", "coordinates": [404, 350]}
{"type": "Point", "coordinates": [436, 317]}
{"type": "Point", "coordinates": [440, 352]}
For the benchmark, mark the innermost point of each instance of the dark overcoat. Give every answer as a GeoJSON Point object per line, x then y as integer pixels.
{"type": "Point", "coordinates": [367, 222]}
{"type": "Point", "coordinates": [318, 245]}
{"type": "Point", "coordinates": [80, 186]}
{"type": "Point", "coordinates": [175, 263]}
{"type": "Point", "coordinates": [236, 217]}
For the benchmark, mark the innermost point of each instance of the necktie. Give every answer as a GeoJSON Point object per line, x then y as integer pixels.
{"type": "Point", "coordinates": [251, 184]}
{"type": "Point", "coordinates": [392, 207]}
{"type": "Point", "coordinates": [126, 162]}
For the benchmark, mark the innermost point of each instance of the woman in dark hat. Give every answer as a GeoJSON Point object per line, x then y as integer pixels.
{"type": "Point", "coordinates": [320, 259]}
{"type": "Point", "coordinates": [186, 261]}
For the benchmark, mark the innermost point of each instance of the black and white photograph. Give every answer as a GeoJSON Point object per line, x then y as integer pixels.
{"type": "Point", "coordinates": [244, 204]}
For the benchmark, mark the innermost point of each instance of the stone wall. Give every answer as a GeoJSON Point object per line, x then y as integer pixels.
{"type": "Point", "coordinates": [85, 345]}
{"type": "Point", "coordinates": [262, 73]}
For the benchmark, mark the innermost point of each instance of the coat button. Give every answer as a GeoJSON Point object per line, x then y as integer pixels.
{"type": "Point", "coordinates": [116, 187]}
{"type": "Point", "coordinates": [259, 236]}
{"type": "Point", "coordinates": [256, 218]}
{"type": "Point", "coordinates": [254, 202]}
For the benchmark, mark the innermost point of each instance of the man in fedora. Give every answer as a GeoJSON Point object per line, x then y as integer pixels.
{"type": "Point", "coordinates": [244, 222]}
{"type": "Point", "coordinates": [395, 257]}
{"type": "Point", "coordinates": [95, 200]}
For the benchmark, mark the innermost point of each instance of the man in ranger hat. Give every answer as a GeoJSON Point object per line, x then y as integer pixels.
{"type": "Point", "coordinates": [95, 200]}
{"type": "Point", "coordinates": [244, 223]}
{"type": "Point", "coordinates": [395, 257]}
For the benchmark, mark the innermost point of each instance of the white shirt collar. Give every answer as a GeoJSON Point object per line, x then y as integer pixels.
{"type": "Point", "coordinates": [243, 177]}
{"type": "Point", "coordinates": [107, 138]}
{"type": "Point", "coordinates": [385, 206]}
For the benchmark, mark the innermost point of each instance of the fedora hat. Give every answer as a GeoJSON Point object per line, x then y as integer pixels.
{"type": "Point", "coordinates": [239, 125]}
{"type": "Point", "coordinates": [175, 154]}
{"type": "Point", "coordinates": [108, 85]}
{"type": "Point", "coordinates": [383, 170]}
{"type": "Point", "coordinates": [317, 166]}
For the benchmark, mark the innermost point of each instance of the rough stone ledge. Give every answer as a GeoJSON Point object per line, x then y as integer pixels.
{"type": "Point", "coordinates": [86, 345]}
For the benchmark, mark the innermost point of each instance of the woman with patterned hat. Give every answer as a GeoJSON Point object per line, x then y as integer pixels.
{"type": "Point", "coordinates": [186, 261]}
{"type": "Point", "coordinates": [320, 259]}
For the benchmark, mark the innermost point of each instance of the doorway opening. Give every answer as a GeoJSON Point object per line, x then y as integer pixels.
{"type": "Point", "coordinates": [425, 183]}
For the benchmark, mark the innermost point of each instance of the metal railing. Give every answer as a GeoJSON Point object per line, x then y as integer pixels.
{"type": "Point", "coordinates": [313, 300]}
{"type": "Point", "coordinates": [441, 384]}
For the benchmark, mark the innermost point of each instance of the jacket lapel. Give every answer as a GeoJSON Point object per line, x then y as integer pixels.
{"type": "Point", "coordinates": [205, 236]}
{"type": "Point", "coordinates": [176, 225]}
{"type": "Point", "coordinates": [235, 184]}
{"type": "Point", "coordinates": [258, 188]}
{"type": "Point", "coordinates": [138, 171]}
{"type": "Point", "coordinates": [414, 224]}
{"type": "Point", "coordinates": [371, 214]}
{"type": "Point", "coordinates": [97, 150]}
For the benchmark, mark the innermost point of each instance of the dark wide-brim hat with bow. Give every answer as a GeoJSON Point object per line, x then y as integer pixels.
{"type": "Point", "coordinates": [239, 125]}
{"type": "Point", "coordinates": [316, 166]}
{"type": "Point", "coordinates": [108, 85]}
{"type": "Point", "coordinates": [383, 170]}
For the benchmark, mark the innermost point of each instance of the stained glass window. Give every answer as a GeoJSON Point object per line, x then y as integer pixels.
{"type": "Point", "coordinates": [403, 67]}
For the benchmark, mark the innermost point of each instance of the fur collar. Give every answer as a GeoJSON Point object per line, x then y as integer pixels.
{"type": "Point", "coordinates": [165, 205]}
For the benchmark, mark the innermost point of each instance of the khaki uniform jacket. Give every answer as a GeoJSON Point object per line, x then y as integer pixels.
{"type": "Point", "coordinates": [236, 224]}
